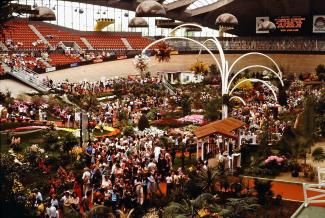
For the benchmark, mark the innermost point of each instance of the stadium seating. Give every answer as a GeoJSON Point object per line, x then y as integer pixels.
{"type": "Point", "coordinates": [61, 59]}
{"type": "Point", "coordinates": [19, 32]}
{"type": "Point", "coordinates": [55, 35]}
{"type": "Point", "coordinates": [105, 41]}
{"type": "Point", "coordinates": [138, 42]}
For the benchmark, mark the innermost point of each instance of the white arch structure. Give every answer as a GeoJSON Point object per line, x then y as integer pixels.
{"type": "Point", "coordinates": [255, 80]}
{"type": "Point", "coordinates": [237, 97]}
{"type": "Point", "coordinates": [225, 71]}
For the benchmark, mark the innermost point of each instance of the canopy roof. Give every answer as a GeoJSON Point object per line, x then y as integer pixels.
{"type": "Point", "coordinates": [223, 127]}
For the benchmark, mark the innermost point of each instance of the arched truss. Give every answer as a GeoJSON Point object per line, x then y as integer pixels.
{"type": "Point", "coordinates": [255, 80]}
{"type": "Point", "coordinates": [184, 38]}
{"type": "Point", "coordinates": [222, 55]}
{"type": "Point", "coordinates": [254, 53]}
{"type": "Point", "coordinates": [237, 97]}
{"type": "Point", "coordinates": [254, 66]}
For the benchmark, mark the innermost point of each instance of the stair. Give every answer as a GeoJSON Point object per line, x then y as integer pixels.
{"type": "Point", "coordinates": [169, 87]}
{"type": "Point", "coordinates": [33, 28]}
{"type": "Point", "coordinates": [45, 62]}
{"type": "Point", "coordinates": [87, 43]}
{"type": "Point", "coordinates": [126, 43]}
{"type": "Point", "coordinates": [5, 67]}
{"type": "Point", "coordinates": [3, 47]}
{"type": "Point", "coordinates": [25, 77]}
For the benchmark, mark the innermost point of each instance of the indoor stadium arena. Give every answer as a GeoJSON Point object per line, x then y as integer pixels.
{"type": "Point", "coordinates": [162, 108]}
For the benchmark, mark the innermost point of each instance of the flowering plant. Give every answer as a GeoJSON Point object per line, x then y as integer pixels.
{"type": "Point", "coordinates": [199, 67]}
{"type": "Point", "coordinates": [275, 159]}
{"type": "Point", "coordinates": [141, 63]}
{"type": "Point", "coordinates": [195, 118]}
{"type": "Point", "coordinates": [163, 52]}
{"type": "Point", "coordinates": [150, 131]}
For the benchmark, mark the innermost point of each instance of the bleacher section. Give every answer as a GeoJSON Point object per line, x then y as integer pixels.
{"type": "Point", "coordinates": [103, 41]}
{"type": "Point", "coordinates": [61, 59]}
{"type": "Point", "coordinates": [56, 35]}
{"type": "Point", "coordinates": [138, 42]}
{"type": "Point", "coordinates": [19, 32]}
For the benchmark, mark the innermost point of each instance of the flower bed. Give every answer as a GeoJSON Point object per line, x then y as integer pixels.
{"type": "Point", "coordinates": [28, 128]}
{"type": "Point", "coordinates": [195, 119]}
{"type": "Point", "coordinates": [168, 122]}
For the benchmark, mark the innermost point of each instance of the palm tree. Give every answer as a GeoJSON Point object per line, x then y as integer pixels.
{"type": "Point", "coordinates": [192, 208]}
{"type": "Point", "coordinates": [100, 211]}
{"type": "Point", "coordinates": [318, 154]}
{"type": "Point", "coordinates": [206, 179]}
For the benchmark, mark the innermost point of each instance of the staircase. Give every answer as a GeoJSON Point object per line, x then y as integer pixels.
{"type": "Point", "coordinates": [169, 87]}
{"type": "Point", "coordinates": [87, 43]}
{"type": "Point", "coordinates": [3, 47]}
{"type": "Point", "coordinates": [5, 67]}
{"type": "Point", "coordinates": [45, 63]}
{"type": "Point", "coordinates": [33, 28]}
{"type": "Point", "coordinates": [26, 77]}
{"type": "Point", "coordinates": [127, 44]}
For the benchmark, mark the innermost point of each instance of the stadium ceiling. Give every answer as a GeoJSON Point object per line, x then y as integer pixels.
{"type": "Point", "coordinates": [205, 12]}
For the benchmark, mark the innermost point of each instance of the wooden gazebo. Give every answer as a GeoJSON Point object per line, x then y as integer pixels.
{"type": "Point", "coordinates": [226, 128]}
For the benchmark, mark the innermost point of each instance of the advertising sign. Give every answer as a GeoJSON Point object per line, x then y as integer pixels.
{"type": "Point", "coordinates": [319, 24]}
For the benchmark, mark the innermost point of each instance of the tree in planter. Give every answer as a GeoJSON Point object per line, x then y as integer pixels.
{"type": "Point", "coordinates": [212, 111]}
{"type": "Point", "coordinates": [241, 207]}
{"type": "Point", "coordinates": [143, 123]}
{"type": "Point", "coordinates": [263, 189]}
{"type": "Point", "coordinates": [122, 117]}
{"type": "Point", "coordinates": [320, 71]}
{"type": "Point", "coordinates": [128, 131]}
{"type": "Point", "coordinates": [186, 105]}
{"type": "Point", "coordinates": [318, 154]}
{"type": "Point", "coordinates": [69, 141]}
{"type": "Point", "coordinates": [282, 96]}
{"type": "Point", "coordinates": [51, 140]}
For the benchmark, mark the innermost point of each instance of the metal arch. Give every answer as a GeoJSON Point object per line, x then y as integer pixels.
{"type": "Point", "coordinates": [184, 25]}
{"type": "Point", "coordinates": [254, 53]}
{"type": "Point", "coordinates": [221, 53]}
{"type": "Point", "coordinates": [254, 66]}
{"type": "Point", "coordinates": [255, 80]}
{"type": "Point", "coordinates": [237, 97]}
{"type": "Point", "coordinates": [185, 38]}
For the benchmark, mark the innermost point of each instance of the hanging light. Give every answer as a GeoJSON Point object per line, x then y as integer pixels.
{"type": "Point", "coordinates": [34, 5]}
{"type": "Point", "coordinates": [104, 12]}
{"type": "Point", "coordinates": [75, 10]}
{"type": "Point", "coordinates": [126, 15]}
{"type": "Point", "coordinates": [53, 8]}
{"type": "Point", "coordinates": [150, 8]}
{"type": "Point", "coordinates": [138, 22]}
{"type": "Point", "coordinates": [98, 12]}
{"type": "Point", "coordinates": [81, 11]}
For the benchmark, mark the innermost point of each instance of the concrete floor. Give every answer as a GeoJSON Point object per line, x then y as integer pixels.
{"type": "Point", "coordinates": [312, 212]}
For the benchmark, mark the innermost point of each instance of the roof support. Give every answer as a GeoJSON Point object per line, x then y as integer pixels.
{"type": "Point", "coordinates": [209, 8]}
{"type": "Point", "coordinates": [178, 4]}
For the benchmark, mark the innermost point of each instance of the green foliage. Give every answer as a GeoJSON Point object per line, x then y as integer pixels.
{"type": "Point", "coordinates": [186, 105]}
{"type": "Point", "coordinates": [318, 154]}
{"type": "Point", "coordinates": [143, 122]}
{"type": "Point", "coordinates": [88, 102]}
{"type": "Point", "coordinates": [263, 189]}
{"type": "Point", "coordinates": [241, 207]}
{"type": "Point", "coordinates": [191, 208]}
{"type": "Point", "coordinates": [320, 71]}
{"type": "Point", "coordinates": [51, 140]}
{"type": "Point", "coordinates": [213, 70]}
{"type": "Point", "coordinates": [282, 96]}
{"type": "Point", "coordinates": [128, 131]}
{"type": "Point", "coordinates": [212, 110]}
{"type": "Point", "coordinates": [69, 140]}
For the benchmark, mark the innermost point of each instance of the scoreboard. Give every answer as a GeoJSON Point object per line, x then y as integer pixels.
{"type": "Point", "coordinates": [289, 23]}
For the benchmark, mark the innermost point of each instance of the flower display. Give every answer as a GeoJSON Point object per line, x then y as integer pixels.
{"type": "Point", "coordinates": [150, 131]}
{"type": "Point", "coordinates": [163, 52]}
{"type": "Point", "coordinates": [278, 160]}
{"type": "Point", "coordinates": [26, 128]}
{"type": "Point", "coordinates": [76, 150]}
{"type": "Point", "coordinates": [195, 118]}
{"type": "Point", "coordinates": [199, 67]}
{"type": "Point", "coordinates": [170, 122]}
{"type": "Point", "coordinates": [141, 63]}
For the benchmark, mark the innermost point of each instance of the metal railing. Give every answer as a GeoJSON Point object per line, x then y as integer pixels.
{"type": "Point", "coordinates": [169, 87]}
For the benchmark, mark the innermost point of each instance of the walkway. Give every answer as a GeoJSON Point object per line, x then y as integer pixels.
{"type": "Point", "coordinates": [289, 190]}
